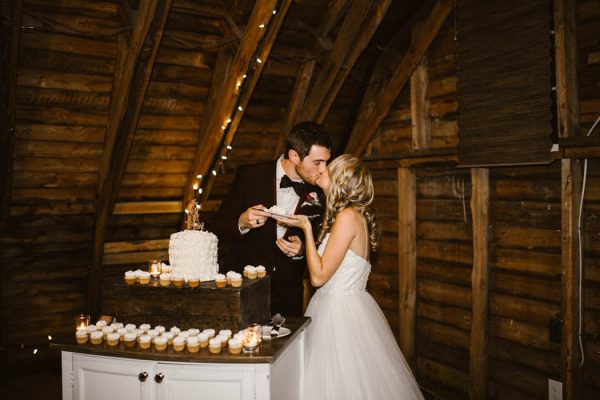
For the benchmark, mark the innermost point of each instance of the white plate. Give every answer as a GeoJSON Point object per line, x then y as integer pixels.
{"type": "Point", "coordinates": [283, 331]}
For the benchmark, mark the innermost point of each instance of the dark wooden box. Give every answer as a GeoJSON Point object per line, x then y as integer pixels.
{"type": "Point", "coordinates": [205, 306]}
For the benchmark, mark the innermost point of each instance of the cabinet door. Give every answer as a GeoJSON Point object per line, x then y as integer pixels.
{"type": "Point", "coordinates": [112, 378]}
{"type": "Point", "coordinates": [207, 381]}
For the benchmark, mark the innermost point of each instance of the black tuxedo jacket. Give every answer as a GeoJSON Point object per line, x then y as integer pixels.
{"type": "Point", "coordinates": [253, 185]}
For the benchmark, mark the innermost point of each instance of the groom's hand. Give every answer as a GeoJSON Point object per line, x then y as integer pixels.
{"type": "Point", "coordinates": [253, 217]}
{"type": "Point", "coordinates": [291, 247]}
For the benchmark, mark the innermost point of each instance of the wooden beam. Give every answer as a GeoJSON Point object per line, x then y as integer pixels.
{"type": "Point", "coordinates": [407, 262]}
{"type": "Point", "coordinates": [419, 101]}
{"type": "Point", "coordinates": [480, 205]}
{"type": "Point", "coordinates": [358, 27]}
{"type": "Point", "coordinates": [7, 126]}
{"type": "Point", "coordinates": [377, 105]}
{"type": "Point", "coordinates": [335, 10]}
{"type": "Point", "coordinates": [567, 103]}
{"type": "Point", "coordinates": [209, 147]}
{"type": "Point", "coordinates": [303, 78]}
{"type": "Point", "coordinates": [132, 75]}
{"type": "Point", "coordinates": [159, 207]}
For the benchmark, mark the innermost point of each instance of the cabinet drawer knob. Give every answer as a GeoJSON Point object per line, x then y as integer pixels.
{"type": "Point", "coordinates": [158, 378]}
{"type": "Point", "coordinates": [143, 376]}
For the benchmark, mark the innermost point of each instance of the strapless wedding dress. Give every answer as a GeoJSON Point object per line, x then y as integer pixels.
{"type": "Point", "coordinates": [351, 350]}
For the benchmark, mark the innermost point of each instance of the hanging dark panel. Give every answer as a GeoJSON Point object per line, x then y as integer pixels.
{"type": "Point", "coordinates": [505, 72]}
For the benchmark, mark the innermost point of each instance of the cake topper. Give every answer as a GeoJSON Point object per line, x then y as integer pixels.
{"type": "Point", "coordinates": [192, 221]}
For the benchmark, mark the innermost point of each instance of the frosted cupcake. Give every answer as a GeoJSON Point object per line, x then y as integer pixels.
{"type": "Point", "coordinates": [223, 339]}
{"type": "Point", "coordinates": [228, 276]}
{"type": "Point", "coordinates": [251, 272]}
{"type": "Point", "coordinates": [106, 330]}
{"type": "Point", "coordinates": [160, 343]}
{"type": "Point", "coordinates": [130, 277]}
{"type": "Point", "coordinates": [177, 279]}
{"type": "Point", "coordinates": [112, 339]}
{"type": "Point", "coordinates": [145, 341]}
{"type": "Point", "coordinates": [81, 336]}
{"type": "Point", "coordinates": [130, 327]}
{"type": "Point", "coordinates": [220, 281]}
{"type": "Point", "coordinates": [116, 325]}
{"type": "Point", "coordinates": [91, 328]}
{"type": "Point", "coordinates": [248, 268]}
{"type": "Point", "coordinates": [130, 339]}
{"type": "Point", "coordinates": [210, 332]}
{"type": "Point", "coordinates": [152, 333]}
{"type": "Point", "coordinates": [175, 330]}
{"type": "Point", "coordinates": [203, 339]}
{"type": "Point", "coordinates": [144, 277]}
{"type": "Point", "coordinates": [166, 268]}
{"type": "Point", "coordinates": [100, 324]}
{"type": "Point", "coordinates": [193, 280]}
{"type": "Point", "coordinates": [239, 336]}
{"type": "Point", "coordinates": [178, 343]}
{"type": "Point", "coordinates": [192, 344]}
{"type": "Point", "coordinates": [96, 337]}
{"type": "Point", "coordinates": [226, 332]}
{"type": "Point", "coordinates": [145, 327]}
{"type": "Point", "coordinates": [160, 329]}
{"type": "Point", "coordinates": [193, 331]}
{"type": "Point", "coordinates": [122, 332]}
{"type": "Point", "coordinates": [235, 346]}
{"type": "Point", "coordinates": [261, 271]}
{"type": "Point", "coordinates": [169, 336]}
{"type": "Point", "coordinates": [214, 346]}
{"type": "Point", "coordinates": [236, 280]}
{"type": "Point", "coordinates": [138, 332]}
{"type": "Point", "coordinates": [165, 279]}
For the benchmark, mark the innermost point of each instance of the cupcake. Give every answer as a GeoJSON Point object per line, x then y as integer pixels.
{"type": "Point", "coordinates": [178, 343]}
{"type": "Point", "coordinates": [116, 325]}
{"type": "Point", "coordinates": [247, 268]}
{"type": "Point", "coordinates": [193, 344]}
{"type": "Point", "coordinates": [145, 327]}
{"type": "Point", "coordinates": [223, 339]}
{"type": "Point", "coordinates": [81, 336]}
{"type": "Point", "coordinates": [251, 273]}
{"type": "Point", "coordinates": [226, 332]}
{"type": "Point", "coordinates": [214, 346]}
{"type": "Point", "coordinates": [261, 272]}
{"type": "Point", "coordinates": [183, 335]}
{"type": "Point", "coordinates": [100, 324]}
{"type": "Point", "coordinates": [145, 341]}
{"type": "Point", "coordinates": [130, 327]}
{"type": "Point", "coordinates": [166, 268]}
{"type": "Point", "coordinates": [220, 281]}
{"type": "Point", "coordinates": [144, 277]}
{"type": "Point", "coordinates": [169, 336]}
{"type": "Point", "coordinates": [228, 276]}
{"type": "Point", "coordinates": [236, 280]}
{"type": "Point", "coordinates": [112, 339]}
{"type": "Point", "coordinates": [193, 280]}
{"type": "Point", "coordinates": [175, 330]}
{"type": "Point", "coordinates": [177, 279]}
{"type": "Point", "coordinates": [160, 329]}
{"type": "Point", "coordinates": [138, 332]}
{"type": "Point", "coordinates": [106, 330]}
{"type": "Point", "coordinates": [160, 343]}
{"type": "Point", "coordinates": [91, 328]}
{"type": "Point", "coordinates": [165, 279]}
{"type": "Point", "coordinates": [239, 336]}
{"type": "Point", "coordinates": [130, 339]}
{"type": "Point", "coordinates": [210, 332]}
{"type": "Point", "coordinates": [96, 337]}
{"type": "Point", "coordinates": [203, 339]}
{"type": "Point", "coordinates": [193, 331]}
{"type": "Point", "coordinates": [152, 333]}
{"type": "Point", "coordinates": [235, 346]}
{"type": "Point", "coordinates": [130, 277]}
{"type": "Point", "coordinates": [122, 332]}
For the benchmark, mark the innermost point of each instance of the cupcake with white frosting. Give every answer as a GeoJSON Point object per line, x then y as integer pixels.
{"type": "Point", "coordinates": [91, 328]}
{"type": "Point", "coordinates": [203, 339]}
{"type": "Point", "coordinates": [178, 343]}
{"type": "Point", "coordinates": [112, 339]}
{"type": "Point", "coordinates": [81, 336]}
{"type": "Point", "coordinates": [236, 280]}
{"type": "Point", "coordinates": [261, 271]}
{"type": "Point", "coordinates": [130, 338]}
{"type": "Point", "coordinates": [106, 330]}
{"type": "Point", "coordinates": [160, 329]}
{"type": "Point", "coordinates": [130, 327]}
{"type": "Point", "coordinates": [122, 332]}
{"type": "Point", "coordinates": [223, 339]}
{"type": "Point", "coordinates": [145, 341]}
{"type": "Point", "coordinates": [214, 346]}
{"type": "Point", "coordinates": [193, 331]}
{"type": "Point", "coordinates": [169, 336]}
{"type": "Point", "coordinates": [220, 281]}
{"type": "Point", "coordinates": [145, 327]}
{"type": "Point", "coordinates": [235, 346]}
{"type": "Point", "coordinates": [250, 272]}
{"type": "Point", "coordinates": [96, 337]}
{"type": "Point", "coordinates": [144, 277]}
{"type": "Point", "coordinates": [165, 279]}
{"type": "Point", "coordinates": [193, 344]}
{"type": "Point", "coordinates": [160, 343]}
{"type": "Point", "coordinates": [100, 324]}
{"type": "Point", "coordinates": [210, 332]}
{"type": "Point", "coordinates": [193, 280]}
{"type": "Point", "coordinates": [130, 277]}
{"type": "Point", "coordinates": [175, 330]}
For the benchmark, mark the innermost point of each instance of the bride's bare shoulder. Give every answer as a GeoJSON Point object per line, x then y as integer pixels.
{"type": "Point", "coordinates": [349, 216]}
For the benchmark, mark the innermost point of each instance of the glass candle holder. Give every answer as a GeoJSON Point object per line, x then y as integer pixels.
{"type": "Point", "coordinates": [252, 338]}
{"type": "Point", "coordinates": [154, 267]}
{"type": "Point", "coordinates": [82, 321]}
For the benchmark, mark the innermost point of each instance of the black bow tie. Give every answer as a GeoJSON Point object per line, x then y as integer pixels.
{"type": "Point", "coordinates": [299, 187]}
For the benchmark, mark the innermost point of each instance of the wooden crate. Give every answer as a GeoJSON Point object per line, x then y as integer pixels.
{"type": "Point", "coordinates": [205, 306]}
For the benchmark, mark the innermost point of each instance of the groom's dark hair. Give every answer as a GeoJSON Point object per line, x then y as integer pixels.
{"type": "Point", "coordinates": [305, 135]}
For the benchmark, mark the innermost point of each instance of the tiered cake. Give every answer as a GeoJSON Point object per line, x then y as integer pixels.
{"type": "Point", "coordinates": [194, 252]}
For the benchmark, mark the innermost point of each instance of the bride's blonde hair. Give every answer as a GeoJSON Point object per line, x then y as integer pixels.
{"type": "Point", "coordinates": [351, 186]}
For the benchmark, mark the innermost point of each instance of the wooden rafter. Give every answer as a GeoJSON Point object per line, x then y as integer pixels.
{"type": "Point", "coordinates": [362, 19]}
{"type": "Point", "coordinates": [209, 145]}
{"type": "Point", "coordinates": [298, 97]}
{"type": "Point", "coordinates": [8, 114]}
{"type": "Point", "coordinates": [135, 61]}
{"type": "Point", "coordinates": [379, 101]}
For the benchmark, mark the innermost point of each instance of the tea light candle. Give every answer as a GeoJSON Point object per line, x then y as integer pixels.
{"type": "Point", "coordinates": [82, 321]}
{"type": "Point", "coordinates": [155, 267]}
{"type": "Point", "coordinates": [252, 338]}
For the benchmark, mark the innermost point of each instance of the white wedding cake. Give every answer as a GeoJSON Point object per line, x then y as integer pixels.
{"type": "Point", "coordinates": [194, 252]}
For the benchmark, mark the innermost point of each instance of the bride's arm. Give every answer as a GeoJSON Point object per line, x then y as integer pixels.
{"type": "Point", "coordinates": [342, 233]}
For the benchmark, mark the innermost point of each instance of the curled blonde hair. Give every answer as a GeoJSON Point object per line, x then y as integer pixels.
{"type": "Point", "coordinates": [351, 186]}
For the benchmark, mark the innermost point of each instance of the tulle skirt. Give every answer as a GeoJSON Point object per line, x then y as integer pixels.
{"type": "Point", "coordinates": [352, 353]}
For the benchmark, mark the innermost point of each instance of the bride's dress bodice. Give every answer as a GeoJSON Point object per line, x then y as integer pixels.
{"type": "Point", "coordinates": [351, 276]}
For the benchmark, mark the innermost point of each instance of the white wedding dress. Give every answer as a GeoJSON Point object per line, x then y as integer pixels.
{"type": "Point", "coordinates": [351, 350]}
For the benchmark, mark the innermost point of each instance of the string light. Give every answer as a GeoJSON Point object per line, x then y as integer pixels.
{"type": "Point", "coordinates": [34, 351]}
{"type": "Point", "coordinates": [225, 126]}
{"type": "Point", "coordinates": [49, 337]}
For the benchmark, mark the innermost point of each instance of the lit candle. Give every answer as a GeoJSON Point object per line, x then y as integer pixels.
{"type": "Point", "coordinates": [155, 268]}
{"type": "Point", "coordinates": [252, 338]}
{"type": "Point", "coordinates": [82, 321]}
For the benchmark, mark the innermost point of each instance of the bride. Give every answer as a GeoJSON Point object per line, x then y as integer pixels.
{"type": "Point", "coordinates": [351, 351]}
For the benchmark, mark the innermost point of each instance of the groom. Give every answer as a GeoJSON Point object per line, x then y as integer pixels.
{"type": "Point", "coordinates": [256, 239]}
